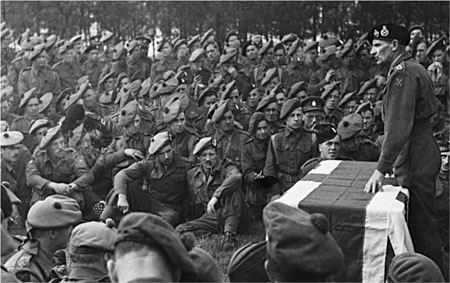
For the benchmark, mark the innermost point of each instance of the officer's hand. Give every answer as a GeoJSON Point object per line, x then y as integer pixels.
{"type": "Point", "coordinates": [329, 75]}
{"type": "Point", "coordinates": [122, 204]}
{"type": "Point", "coordinates": [134, 153]}
{"type": "Point", "coordinates": [210, 207]}
{"type": "Point", "coordinates": [375, 182]}
{"type": "Point", "coordinates": [61, 188]}
{"type": "Point", "coordinates": [380, 80]}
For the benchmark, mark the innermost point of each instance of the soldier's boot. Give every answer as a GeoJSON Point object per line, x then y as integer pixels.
{"type": "Point", "coordinates": [229, 241]}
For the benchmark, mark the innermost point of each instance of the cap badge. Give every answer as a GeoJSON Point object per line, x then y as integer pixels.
{"type": "Point", "coordinates": [376, 33]}
{"type": "Point", "coordinates": [313, 103]}
{"type": "Point", "coordinates": [384, 32]}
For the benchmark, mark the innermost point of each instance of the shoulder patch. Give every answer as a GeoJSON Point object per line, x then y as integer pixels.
{"type": "Point", "coordinates": [399, 67]}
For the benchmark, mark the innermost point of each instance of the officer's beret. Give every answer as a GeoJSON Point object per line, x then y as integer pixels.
{"type": "Point", "coordinates": [167, 87]}
{"type": "Point", "coordinates": [265, 47]}
{"type": "Point", "coordinates": [132, 45]}
{"type": "Point", "coordinates": [254, 121]}
{"type": "Point", "coordinates": [127, 113]}
{"type": "Point", "coordinates": [107, 35]}
{"type": "Point", "coordinates": [37, 50]}
{"type": "Point", "coordinates": [349, 126]}
{"type": "Point", "coordinates": [205, 36]}
{"type": "Point", "coordinates": [414, 27]}
{"type": "Point", "coordinates": [266, 100]}
{"type": "Point", "coordinates": [50, 41]}
{"type": "Point", "coordinates": [118, 50]}
{"type": "Point", "coordinates": [330, 51]}
{"type": "Point", "coordinates": [53, 212]}
{"type": "Point", "coordinates": [289, 38]}
{"type": "Point", "coordinates": [76, 38]}
{"type": "Point", "coordinates": [289, 106]}
{"type": "Point", "coordinates": [65, 47]}
{"type": "Point", "coordinates": [299, 241]}
{"type": "Point", "coordinates": [326, 132]}
{"type": "Point", "coordinates": [225, 58]}
{"type": "Point", "coordinates": [389, 32]}
{"type": "Point", "coordinates": [178, 43]}
{"type": "Point", "coordinates": [327, 40]}
{"type": "Point", "coordinates": [171, 110]}
{"type": "Point", "coordinates": [227, 89]}
{"type": "Point", "coordinates": [203, 144]}
{"type": "Point", "coordinates": [311, 45]}
{"type": "Point", "coordinates": [439, 44]}
{"type": "Point", "coordinates": [154, 231]}
{"type": "Point", "coordinates": [220, 111]}
{"type": "Point", "coordinates": [296, 88]}
{"type": "Point", "coordinates": [159, 141]}
{"type": "Point", "coordinates": [194, 39]}
{"type": "Point", "coordinates": [366, 106]}
{"type": "Point", "coordinates": [73, 99]}
{"type": "Point", "coordinates": [327, 89]}
{"type": "Point", "coordinates": [414, 267]}
{"type": "Point", "coordinates": [372, 83]}
{"type": "Point", "coordinates": [295, 45]}
{"type": "Point", "coordinates": [92, 237]}
{"type": "Point", "coordinates": [26, 96]}
{"type": "Point", "coordinates": [90, 48]}
{"type": "Point", "coordinates": [348, 46]}
{"type": "Point", "coordinates": [6, 92]}
{"type": "Point", "coordinates": [106, 77]}
{"type": "Point", "coordinates": [312, 103]}
{"type": "Point", "coordinates": [49, 136]}
{"type": "Point", "coordinates": [45, 101]}
{"type": "Point", "coordinates": [347, 98]}
{"type": "Point", "coordinates": [271, 73]}
{"type": "Point", "coordinates": [10, 138]}
{"type": "Point", "coordinates": [37, 124]}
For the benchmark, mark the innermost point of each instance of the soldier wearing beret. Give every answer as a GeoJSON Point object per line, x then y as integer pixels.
{"type": "Point", "coordinates": [92, 67]}
{"type": "Point", "coordinates": [118, 63]}
{"type": "Point", "coordinates": [37, 131]}
{"type": "Point", "coordinates": [49, 224]}
{"type": "Point", "coordinates": [441, 198]}
{"type": "Point", "coordinates": [413, 267]}
{"type": "Point", "coordinates": [68, 69]}
{"type": "Point", "coordinates": [19, 63]}
{"type": "Point", "coordinates": [6, 113]}
{"type": "Point", "coordinates": [369, 128]}
{"type": "Point", "coordinates": [57, 169]}
{"type": "Point", "coordinates": [331, 95]}
{"type": "Point", "coordinates": [265, 54]}
{"type": "Point", "coordinates": [268, 106]}
{"type": "Point", "coordinates": [199, 69]}
{"type": "Point", "coordinates": [164, 64]}
{"type": "Point", "coordinates": [289, 149]}
{"type": "Point", "coordinates": [181, 52]}
{"type": "Point", "coordinates": [303, 64]}
{"type": "Point", "coordinates": [213, 56]}
{"type": "Point", "coordinates": [215, 190]}
{"type": "Point", "coordinates": [408, 135]}
{"type": "Point", "coordinates": [38, 75]}
{"type": "Point", "coordinates": [326, 74]}
{"type": "Point", "coordinates": [349, 76]}
{"type": "Point", "coordinates": [300, 247]}
{"type": "Point", "coordinates": [250, 59]}
{"type": "Point", "coordinates": [91, 245]}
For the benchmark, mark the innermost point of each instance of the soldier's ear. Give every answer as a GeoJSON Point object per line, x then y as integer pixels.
{"type": "Point", "coordinates": [394, 45]}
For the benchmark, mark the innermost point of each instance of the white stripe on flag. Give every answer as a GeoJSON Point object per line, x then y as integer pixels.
{"type": "Point", "coordinates": [298, 192]}
{"type": "Point", "coordinates": [326, 167]}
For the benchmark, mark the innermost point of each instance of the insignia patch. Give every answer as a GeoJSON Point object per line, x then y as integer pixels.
{"type": "Point", "coordinates": [399, 67]}
{"type": "Point", "coordinates": [384, 32]}
{"type": "Point", "coordinates": [398, 81]}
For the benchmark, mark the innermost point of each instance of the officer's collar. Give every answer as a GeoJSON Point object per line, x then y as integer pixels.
{"type": "Point", "coordinates": [401, 57]}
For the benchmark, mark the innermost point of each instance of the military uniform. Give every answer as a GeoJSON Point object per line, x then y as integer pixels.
{"type": "Point", "coordinates": [334, 116]}
{"type": "Point", "coordinates": [93, 70]}
{"type": "Point", "coordinates": [14, 69]}
{"type": "Point", "coordinates": [230, 146]}
{"type": "Point", "coordinates": [370, 134]}
{"type": "Point", "coordinates": [183, 143]}
{"type": "Point", "coordinates": [316, 82]}
{"type": "Point", "coordinates": [44, 81]}
{"type": "Point", "coordinates": [23, 125]}
{"type": "Point", "coordinates": [298, 72]}
{"type": "Point", "coordinates": [160, 67]}
{"type": "Point", "coordinates": [441, 201]}
{"type": "Point", "coordinates": [68, 74]}
{"type": "Point", "coordinates": [367, 151]}
{"type": "Point", "coordinates": [350, 79]}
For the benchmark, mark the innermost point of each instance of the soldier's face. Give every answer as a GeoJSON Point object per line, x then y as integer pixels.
{"type": "Point", "coordinates": [281, 98]}
{"type": "Point", "coordinates": [349, 107]}
{"type": "Point", "coordinates": [40, 133]}
{"type": "Point", "coordinates": [109, 84]}
{"type": "Point", "coordinates": [253, 99]}
{"type": "Point", "coordinates": [93, 55]}
{"type": "Point", "coordinates": [212, 53]}
{"type": "Point", "coordinates": [226, 124]}
{"type": "Point", "coordinates": [182, 51]}
{"type": "Point", "coordinates": [438, 56]}
{"type": "Point", "coordinates": [279, 56]}
{"type": "Point", "coordinates": [351, 144]}
{"type": "Point", "coordinates": [311, 119]}
{"type": "Point", "coordinates": [4, 82]}
{"type": "Point", "coordinates": [210, 100]}
{"type": "Point", "coordinates": [332, 99]}
{"type": "Point", "coordinates": [69, 56]}
{"type": "Point", "coordinates": [10, 153]}
{"type": "Point", "coordinates": [252, 52]}
{"type": "Point", "coordinates": [370, 95]}
{"type": "Point", "coordinates": [42, 59]}
{"type": "Point", "coordinates": [271, 112]}
{"type": "Point", "coordinates": [421, 51]}
{"type": "Point", "coordinates": [329, 149]}
{"type": "Point", "coordinates": [262, 131]}
{"type": "Point", "coordinates": [89, 98]}
{"type": "Point", "coordinates": [165, 155]}
{"type": "Point", "coordinates": [367, 120]}
{"type": "Point", "coordinates": [55, 148]}
{"type": "Point", "coordinates": [166, 49]}
{"type": "Point", "coordinates": [208, 158]}
{"type": "Point", "coordinates": [444, 163]}
{"type": "Point", "coordinates": [382, 51]}
{"type": "Point", "coordinates": [235, 99]}
{"type": "Point", "coordinates": [178, 125]}
{"type": "Point", "coordinates": [5, 109]}
{"type": "Point", "coordinates": [295, 119]}
{"type": "Point", "coordinates": [268, 56]}
{"type": "Point", "coordinates": [311, 56]}
{"type": "Point", "coordinates": [32, 107]}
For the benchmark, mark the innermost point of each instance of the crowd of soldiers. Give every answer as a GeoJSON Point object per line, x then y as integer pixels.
{"type": "Point", "coordinates": [204, 135]}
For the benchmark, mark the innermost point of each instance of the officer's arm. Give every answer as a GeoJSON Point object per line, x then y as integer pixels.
{"type": "Point", "coordinates": [399, 105]}
{"type": "Point", "coordinates": [231, 182]}
{"type": "Point", "coordinates": [135, 171]}
{"type": "Point", "coordinates": [34, 178]}
{"type": "Point", "coordinates": [270, 168]}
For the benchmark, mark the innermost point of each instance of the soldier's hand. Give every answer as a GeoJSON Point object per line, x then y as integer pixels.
{"type": "Point", "coordinates": [61, 188]}
{"type": "Point", "coordinates": [122, 204]}
{"type": "Point", "coordinates": [329, 75]}
{"type": "Point", "coordinates": [380, 80]}
{"type": "Point", "coordinates": [72, 187]}
{"type": "Point", "coordinates": [210, 207]}
{"type": "Point", "coordinates": [198, 79]}
{"type": "Point", "coordinates": [134, 153]}
{"type": "Point", "coordinates": [375, 182]}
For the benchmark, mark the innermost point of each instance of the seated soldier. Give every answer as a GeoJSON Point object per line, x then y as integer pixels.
{"type": "Point", "coordinates": [215, 189]}
{"type": "Point", "coordinates": [300, 247]}
{"type": "Point", "coordinates": [165, 174]}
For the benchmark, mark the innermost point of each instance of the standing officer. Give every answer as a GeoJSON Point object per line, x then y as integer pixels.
{"type": "Point", "coordinates": [39, 75]}
{"type": "Point", "coordinates": [408, 104]}
{"type": "Point", "coordinates": [49, 224]}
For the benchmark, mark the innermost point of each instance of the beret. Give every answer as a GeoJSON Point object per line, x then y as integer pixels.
{"type": "Point", "coordinates": [215, 81]}
{"type": "Point", "coordinates": [24, 36]}
{"type": "Point", "coordinates": [207, 269]}
{"type": "Point", "coordinates": [127, 113]}
{"type": "Point", "coordinates": [118, 50]}
{"type": "Point", "coordinates": [247, 263]}
{"type": "Point", "coordinates": [145, 87]}
{"type": "Point", "coordinates": [167, 87]}
{"type": "Point", "coordinates": [90, 48]}
{"type": "Point", "coordinates": [3, 126]}
{"type": "Point", "coordinates": [107, 35]}
{"type": "Point", "coordinates": [364, 107]}
{"type": "Point", "coordinates": [63, 94]}
{"type": "Point", "coordinates": [414, 267]}
{"type": "Point", "coordinates": [266, 100]}
{"type": "Point", "coordinates": [53, 212]}
{"type": "Point", "coordinates": [168, 75]}
{"type": "Point", "coordinates": [143, 39]}
{"type": "Point", "coordinates": [37, 124]}
{"type": "Point", "coordinates": [205, 36]}
{"type": "Point", "coordinates": [362, 45]}
{"type": "Point", "coordinates": [220, 111]}
{"type": "Point", "coordinates": [154, 231]}
{"type": "Point", "coordinates": [10, 138]}
{"type": "Point", "coordinates": [60, 43]}
{"type": "Point", "coordinates": [91, 237]}
{"type": "Point", "coordinates": [76, 96]}
{"type": "Point", "coordinates": [76, 38]}
{"type": "Point", "coordinates": [347, 98]}
{"type": "Point", "coordinates": [26, 96]}
{"type": "Point", "coordinates": [49, 136]}
{"type": "Point", "coordinates": [414, 27]}
{"type": "Point", "coordinates": [45, 101]}
{"type": "Point", "coordinates": [81, 80]}
{"type": "Point", "coordinates": [231, 33]}
{"type": "Point", "coordinates": [439, 44]}
{"type": "Point", "coordinates": [300, 241]}
{"type": "Point", "coordinates": [162, 42]}
{"type": "Point", "coordinates": [312, 103]}
{"type": "Point", "coordinates": [178, 43]}
{"type": "Point", "coordinates": [247, 44]}
{"type": "Point", "coordinates": [171, 110]}
{"type": "Point", "coordinates": [194, 39]}
{"type": "Point", "coordinates": [265, 47]}
{"type": "Point", "coordinates": [203, 144]}
{"type": "Point", "coordinates": [289, 37]}
{"type": "Point", "coordinates": [37, 50]}
{"type": "Point", "coordinates": [295, 45]}
{"type": "Point", "coordinates": [158, 141]}
{"type": "Point", "coordinates": [310, 45]}
{"type": "Point", "coordinates": [225, 58]}
{"type": "Point", "coordinates": [327, 40]}
{"type": "Point", "coordinates": [296, 88]}
{"type": "Point", "coordinates": [278, 46]}
{"type": "Point", "coordinates": [35, 40]}
{"type": "Point", "coordinates": [208, 91]}
{"type": "Point", "coordinates": [348, 46]}
{"type": "Point", "coordinates": [350, 126]}
{"type": "Point", "coordinates": [328, 88]}
{"type": "Point", "coordinates": [329, 52]}
{"type": "Point", "coordinates": [271, 73]}
{"type": "Point", "coordinates": [254, 121]}
{"type": "Point", "coordinates": [4, 32]}
{"type": "Point", "coordinates": [50, 41]}
{"type": "Point", "coordinates": [367, 85]}
{"type": "Point", "coordinates": [153, 92]}
{"type": "Point", "coordinates": [389, 32]}
{"type": "Point", "coordinates": [132, 44]}
{"type": "Point", "coordinates": [6, 92]}
{"type": "Point", "coordinates": [106, 77]}
{"type": "Point", "coordinates": [196, 54]}
{"type": "Point", "coordinates": [326, 132]}
{"type": "Point", "coordinates": [65, 47]}
{"type": "Point", "coordinates": [227, 89]}
{"type": "Point", "coordinates": [96, 38]}
{"type": "Point", "coordinates": [289, 106]}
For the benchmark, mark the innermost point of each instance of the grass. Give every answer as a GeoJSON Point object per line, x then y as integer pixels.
{"type": "Point", "coordinates": [254, 233]}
